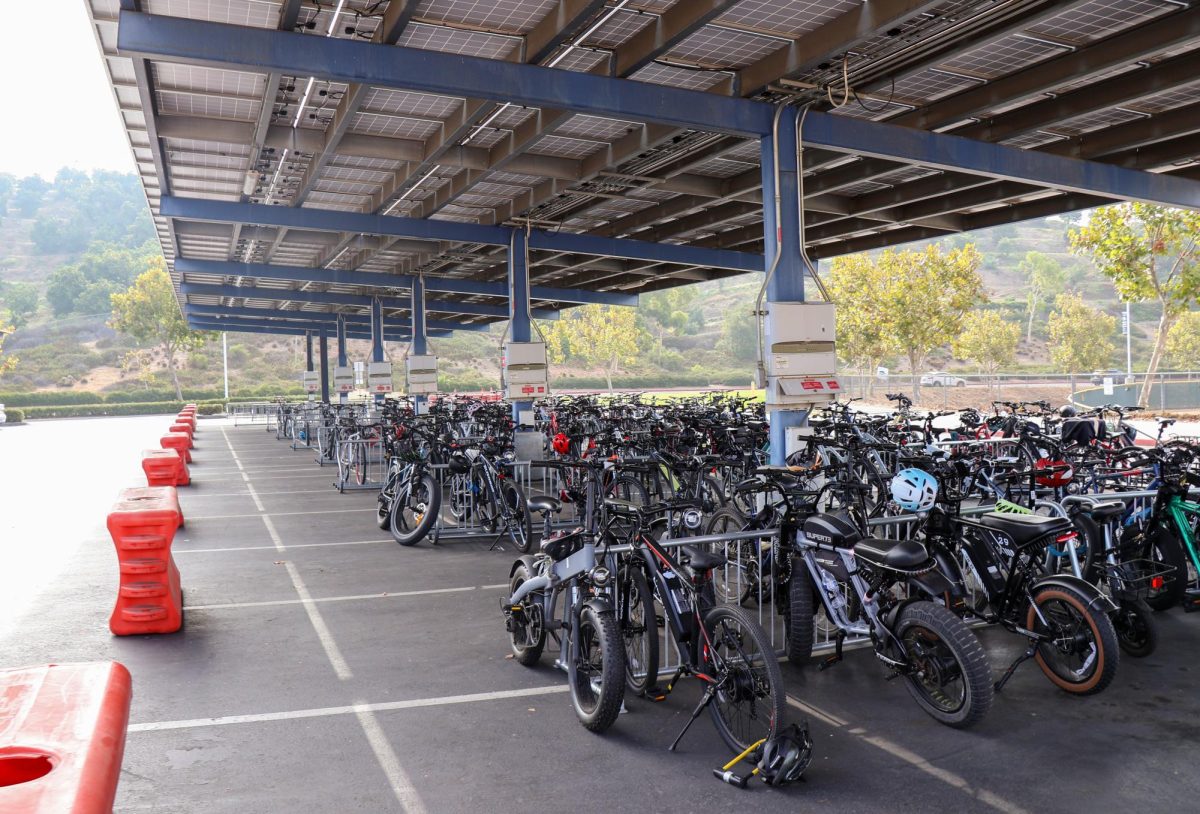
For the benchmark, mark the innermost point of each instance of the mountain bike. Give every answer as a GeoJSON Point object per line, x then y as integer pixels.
{"type": "Point", "coordinates": [410, 497]}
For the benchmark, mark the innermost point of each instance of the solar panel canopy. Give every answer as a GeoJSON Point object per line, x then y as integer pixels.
{"type": "Point", "coordinates": [1110, 81]}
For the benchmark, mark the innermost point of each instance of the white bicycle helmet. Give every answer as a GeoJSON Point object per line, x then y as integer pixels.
{"type": "Point", "coordinates": [914, 490]}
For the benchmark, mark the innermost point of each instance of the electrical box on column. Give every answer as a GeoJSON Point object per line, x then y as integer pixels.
{"type": "Point", "coordinates": [421, 374]}
{"type": "Point", "coordinates": [801, 355]}
{"type": "Point", "coordinates": [379, 377]}
{"type": "Point", "coordinates": [343, 379]}
{"type": "Point", "coordinates": [526, 374]}
{"type": "Point", "coordinates": [311, 381]}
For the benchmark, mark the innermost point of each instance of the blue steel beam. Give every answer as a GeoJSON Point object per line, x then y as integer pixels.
{"type": "Point", "coordinates": [358, 300]}
{"type": "Point", "coordinates": [239, 47]}
{"type": "Point", "coordinates": [330, 220]}
{"type": "Point", "coordinates": [201, 323]}
{"type": "Point", "coordinates": [353, 322]}
{"type": "Point", "coordinates": [845, 134]}
{"type": "Point", "coordinates": [305, 274]}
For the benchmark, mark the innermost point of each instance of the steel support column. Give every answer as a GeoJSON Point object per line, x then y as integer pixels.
{"type": "Point", "coordinates": [520, 326]}
{"type": "Point", "coordinates": [420, 344]}
{"type": "Point", "coordinates": [377, 338]}
{"type": "Point", "coordinates": [323, 343]}
{"type": "Point", "coordinates": [308, 352]}
{"type": "Point", "coordinates": [781, 232]}
{"type": "Point", "coordinates": [341, 359]}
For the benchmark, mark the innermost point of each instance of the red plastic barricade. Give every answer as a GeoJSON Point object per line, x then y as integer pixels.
{"type": "Point", "coordinates": [149, 598]}
{"type": "Point", "coordinates": [164, 467]}
{"type": "Point", "coordinates": [180, 441]}
{"type": "Point", "coordinates": [187, 418]}
{"type": "Point", "coordinates": [186, 429]}
{"type": "Point", "coordinates": [62, 737]}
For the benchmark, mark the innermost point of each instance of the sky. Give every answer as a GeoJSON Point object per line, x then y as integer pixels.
{"type": "Point", "coordinates": [61, 108]}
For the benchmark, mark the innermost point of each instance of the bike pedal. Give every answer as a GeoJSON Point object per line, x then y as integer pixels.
{"type": "Point", "coordinates": [829, 662]}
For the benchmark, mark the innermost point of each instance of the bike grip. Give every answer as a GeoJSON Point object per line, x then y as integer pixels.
{"type": "Point", "coordinates": [730, 778]}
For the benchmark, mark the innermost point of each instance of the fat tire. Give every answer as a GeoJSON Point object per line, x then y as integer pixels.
{"type": "Point", "coordinates": [633, 575]}
{"type": "Point", "coordinates": [801, 609]}
{"type": "Point", "coordinates": [514, 496]}
{"type": "Point", "coordinates": [973, 663]}
{"type": "Point", "coordinates": [1136, 629]}
{"type": "Point", "coordinates": [1103, 633]}
{"type": "Point", "coordinates": [612, 675]}
{"type": "Point", "coordinates": [526, 656]}
{"type": "Point", "coordinates": [432, 507]}
{"type": "Point", "coordinates": [1166, 548]}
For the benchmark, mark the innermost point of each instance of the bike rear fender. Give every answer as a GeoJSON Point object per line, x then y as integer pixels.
{"type": "Point", "coordinates": [1096, 599]}
{"type": "Point", "coordinates": [599, 604]}
{"type": "Point", "coordinates": [526, 560]}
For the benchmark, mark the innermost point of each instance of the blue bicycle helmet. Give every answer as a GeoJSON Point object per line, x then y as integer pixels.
{"type": "Point", "coordinates": [914, 490]}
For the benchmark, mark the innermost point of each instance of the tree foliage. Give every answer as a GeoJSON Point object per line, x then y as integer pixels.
{"type": "Point", "coordinates": [1045, 279]}
{"type": "Point", "coordinates": [149, 313]}
{"type": "Point", "coordinates": [28, 195]}
{"type": "Point", "coordinates": [912, 302]}
{"type": "Point", "coordinates": [1149, 253]}
{"type": "Point", "coordinates": [988, 340]}
{"type": "Point", "coordinates": [105, 268]}
{"type": "Point", "coordinates": [1080, 336]}
{"type": "Point", "coordinates": [22, 302]}
{"type": "Point", "coordinates": [1183, 341]}
{"type": "Point", "coordinates": [7, 363]}
{"type": "Point", "coordinates": [739, 335]}
{"type": "Point", "coordinates": [595, 335]}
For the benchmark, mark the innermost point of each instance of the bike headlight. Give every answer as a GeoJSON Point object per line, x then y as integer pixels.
{"type": "Point", "coordinates": [510, 456]}
{"type": "Point", "coordinates": [600, 576]}
{"type": "Point", "coordinates": [691, 519]}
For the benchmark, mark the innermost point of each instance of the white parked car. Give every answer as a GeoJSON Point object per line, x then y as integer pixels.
{"type": "Point", "coordinates": [939, 378]}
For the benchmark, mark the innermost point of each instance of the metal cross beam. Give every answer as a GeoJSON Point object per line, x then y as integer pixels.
{"type": "Point", "coordinates": [355, 322]}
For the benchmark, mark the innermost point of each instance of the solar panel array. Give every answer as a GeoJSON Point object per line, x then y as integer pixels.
{"type": "Point", "coordinates": [303, 142]}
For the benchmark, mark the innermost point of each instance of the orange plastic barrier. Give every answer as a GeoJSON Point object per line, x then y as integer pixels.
{"type": "Point", "coordinates": [187, 418]}
{"type": "Point", "coordinates": [149, 598]}
{"type": "Point", "coordinates": [62, 737]}
{"type": "Point", "coordinates": [186, 429]}
{"type": "Point", "coordinates": [164, 467]}
{"type": "Point", "coordinates": [180, 441]}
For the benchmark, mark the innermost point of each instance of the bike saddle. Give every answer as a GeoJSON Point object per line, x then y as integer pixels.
{"type": "Point", "coordinates": [545, 503]}
{"type": "Point", "coordinates": [895, 555]}
{"type": "Point", "coordinates": [562, 544]}
{"type": "Point", "coordinates": [1024, 528]}
{"type": "Point", "coordinates": [700, 561]}
{"type": "Point", "coordinates": [1096, 508]}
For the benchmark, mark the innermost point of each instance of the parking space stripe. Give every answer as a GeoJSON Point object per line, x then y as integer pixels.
{"type": "Point", "coordinates": [270, 547]}
{"type": "Point", "coordinates": [988, 798]}
{"type": "Point", "coordinates": [387, 706]}
{"type": "Point", "coordinates": [384, 595]}
{"type": "Point", "coordinates": [340, 667]}
{"type": "Point", "coordinates": [402, 785]}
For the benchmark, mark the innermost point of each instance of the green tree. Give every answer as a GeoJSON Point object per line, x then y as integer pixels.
{"type": "Point", "coordinates": [863, 337]}
{"type": "Point", "coordinates": [670, 308]}
{"type": "Point", "coordinates": [63, 288]}
{"type": "Point", "coordinates": [596, 335]}
{"type": "Point", "coordinates": [22, 301]}
{"type": "Point", "coordinates": [1045, 279]}
{"type": "Point", "coordinates": [925, 296]}
{"type": "Point", "coordinates": [1149, 253]}
{"type": "Point", "coordinates": [739, 335]}
{"type": "Point", "coordinates": [1183, 341]}
{"type": "Point", "coordinates": [988, 340]}
{"type": "Point", "coordinates": [52, 235]}
{"type": "Point", "coordinates": [7, 363]}
{"type": "Point", "coordinates": [1080, 336]}
{"type": "Point", "coordinates": [29, 194]}
{"type": "Point", "coordinates": [149, 313]}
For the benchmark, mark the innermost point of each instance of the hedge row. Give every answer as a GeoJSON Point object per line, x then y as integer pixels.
{"type": "Point", "coordinates": [58, 398]}
{"type": "Point", "coordinates": [136, 408]}
{"type": "Point", "coordinates": [13, 415]}
{"type": "Point", "coordinates": [652, 381]}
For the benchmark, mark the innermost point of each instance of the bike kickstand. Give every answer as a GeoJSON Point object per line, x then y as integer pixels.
{"type": "Point", "coordinates": [1012, 668]}
{"type": "Point", "coordinates": [705, 700]}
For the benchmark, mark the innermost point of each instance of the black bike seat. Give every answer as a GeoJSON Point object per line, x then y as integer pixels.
{"type": "Point", "coordinates": [562, 544]}
{"type": "Point", "coordinates": [1104, 509]}
{"type": "Point", "coordinates": [545, 503]}
{"type": "Point", "coordinates": [897, 555]}
{"type": "Point", "coordinates": [620, 506]}
{"type": "Point", "coordinates": [699, 560]}
{"type": "Point", "coordinates": [1023, 528]}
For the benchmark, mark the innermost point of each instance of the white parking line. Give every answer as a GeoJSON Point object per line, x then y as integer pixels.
{"type": "Point", "coordinates": [402, 785]}
{"type": "Point", "coordinates": [191, 495]}
{"type": "Point", "coordinates": [276, 514]}
{"type": "Point", "coordinates": [984, 796]}
{"type": "Point", "coordinates": [388, 706]}
{"type": "Point", "coordinates": [340, 667]}
{"type": "Point", "coordinates": [270, 547]}
{"type": "Point", "coordinates": [350, 598]}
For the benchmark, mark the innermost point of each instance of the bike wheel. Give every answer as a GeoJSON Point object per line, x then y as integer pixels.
{"type": "Point", "coordinates": [520, 523]}
{"type": "Point", "coordinates": [711, 493]}
{"type": "Point", "coordinates": [1163, 546]}
{"type": "Point", "coordinates": [596, 670]}
{"type": "Point", "coordinates": [1136, 631]}
{"type": "Point", "coordinates": [1082, 654]}
{"type": "Point", "coordinates": [951, 677]}
{"type": "Point", "coordinates": [415, 510]}
{"type": "Point", "coordinates": [799, 616]}
{"type": "Point", "coordinates": [460, 497]}
{"type": "Point", "coordinates": [749, 701]}
{"type": "Point", "coordinates": [527, 634]}
{"type": "Point", "coordinates": [737, 580]}
{"type": "Point", "coordinates": [629, 489]}
{"type": "Point", "coordinates": [639, 629]}
{"type": "Point", "coordinates": [360, 464]}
